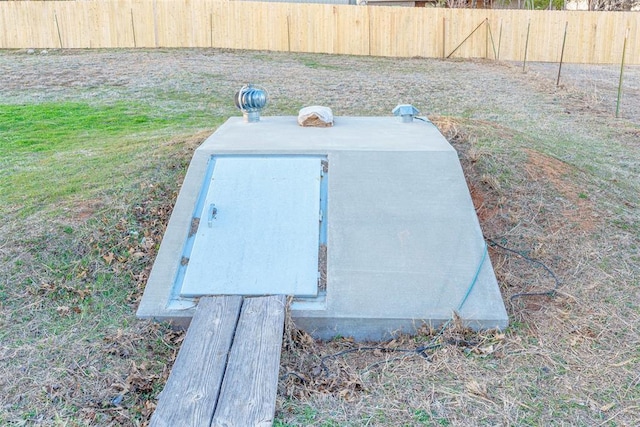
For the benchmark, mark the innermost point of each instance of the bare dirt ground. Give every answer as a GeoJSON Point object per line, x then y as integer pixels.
{"type": "Point", "coordinates": [553, 174]}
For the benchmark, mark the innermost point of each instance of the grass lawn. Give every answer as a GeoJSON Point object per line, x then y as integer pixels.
{"type": "Point", "coordinates": [88, 178]}
{"type": "Point", "coordinates": [85, 191]}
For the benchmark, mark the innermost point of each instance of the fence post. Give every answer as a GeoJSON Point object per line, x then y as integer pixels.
{"type": "Point", "coordinates": [133, 30]}
{"type": "Point", "coordinates": [624, 51]}
{"type": "Point", "coordinates": [526, 46]}
{"type": "Point", "coordinates": [564, 40]}
{"type": "Point", "coordinates": [493, 44]}
{"type": "Point", "coordinates": [55, 17]}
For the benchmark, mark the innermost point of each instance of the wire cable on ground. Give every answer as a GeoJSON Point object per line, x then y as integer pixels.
{"type": "Point", "coordinates": [549, 292]}
{"type": "Point", "coordinates": [433, 343]}
{"type": "Point", "coordinates": [424, 348]}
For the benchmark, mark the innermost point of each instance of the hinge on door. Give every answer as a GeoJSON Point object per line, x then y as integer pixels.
{"type": "Point", "coordinates": [321, 215]}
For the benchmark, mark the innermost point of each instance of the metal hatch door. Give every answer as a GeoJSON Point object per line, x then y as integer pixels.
{"type": "Point", "coordinates": [258, 228]}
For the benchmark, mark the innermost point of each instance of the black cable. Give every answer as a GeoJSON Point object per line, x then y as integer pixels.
{"type": "Point", "coordinates": [432, 344]}
{"type": "Point", "coordinates": [293, 374]}
{"type": "Point", "coordinates": [422, 350]}
{"type": "Point", "coordinates": [325, 369]}
{"type": "Point", "coordinates": [550, 292]}
{"type": "Point", "coordinates": [419, 350]}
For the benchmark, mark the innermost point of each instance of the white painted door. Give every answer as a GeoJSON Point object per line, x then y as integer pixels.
{"type": "Point", "coordinates": [258, 228]}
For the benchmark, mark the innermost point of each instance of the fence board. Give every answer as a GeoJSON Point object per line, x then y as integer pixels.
{"type": "Point", "coordinates": [592, 37]}
{"type": "Point", "coordinates": [312, 28]}
{"type": "Point", "coordinates": [355, 41]}
{"type": "Point", "coordinates": [476, 44]}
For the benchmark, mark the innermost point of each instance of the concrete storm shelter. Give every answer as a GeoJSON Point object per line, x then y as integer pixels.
{"type": "Point", "coordinates": [368, 224]}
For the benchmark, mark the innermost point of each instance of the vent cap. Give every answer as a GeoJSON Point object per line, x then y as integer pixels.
{"type": "Point", "coordinates": [251, 100]}
{"type": "Point", "coordinates": [406, 111]}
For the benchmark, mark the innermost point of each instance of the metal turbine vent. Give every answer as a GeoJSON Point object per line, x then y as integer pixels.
{"type": "Point", "coordinates": [251, 100]}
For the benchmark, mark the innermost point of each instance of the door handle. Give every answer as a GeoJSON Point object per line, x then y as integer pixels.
{"type": "Point", "coordinates": [213, 211]}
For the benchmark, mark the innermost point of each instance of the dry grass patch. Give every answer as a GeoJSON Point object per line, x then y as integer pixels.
{"type": "Point", "coordinates": [553, 176]}
{"type": "Point", "coordinates": [72, 351]}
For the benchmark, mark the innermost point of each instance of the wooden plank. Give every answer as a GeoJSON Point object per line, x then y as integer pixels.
{"type": "Point", "coordinates": [190, 396]}
{"type": "Point", "coordinates": [248, 394]}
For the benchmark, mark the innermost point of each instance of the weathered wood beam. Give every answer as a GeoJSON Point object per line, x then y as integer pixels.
{"type": "Point", "coordinates": [248, 394]}
{"type": "Point", "coordinates": [190, 395]}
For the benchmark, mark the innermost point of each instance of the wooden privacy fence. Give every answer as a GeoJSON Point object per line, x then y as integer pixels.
{"type": "Point", "coordinates": [592, 37]}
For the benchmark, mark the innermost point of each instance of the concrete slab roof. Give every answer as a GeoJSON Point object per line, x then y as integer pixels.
{"type": "Point", "coordinates": [404, 245]}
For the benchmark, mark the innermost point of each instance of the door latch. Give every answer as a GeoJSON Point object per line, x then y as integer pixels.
{"type": "Point", "coordinates": [213, 211]}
